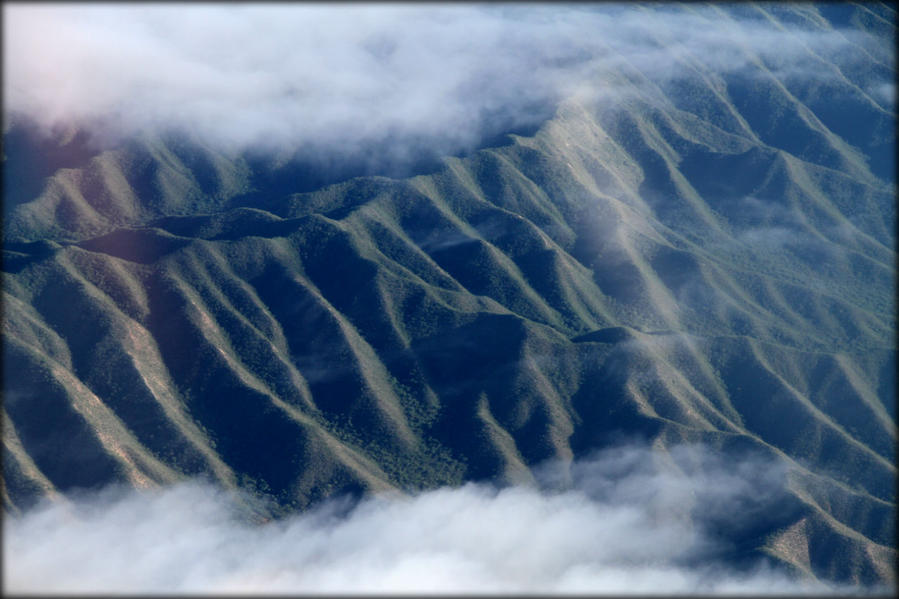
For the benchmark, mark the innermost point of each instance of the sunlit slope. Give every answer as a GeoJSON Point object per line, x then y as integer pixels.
{"type": "Point", "coordinates": [709, 261]}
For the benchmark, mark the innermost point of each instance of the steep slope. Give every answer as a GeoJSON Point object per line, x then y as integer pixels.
{"type": "Point", "coordinates": [708, 261]}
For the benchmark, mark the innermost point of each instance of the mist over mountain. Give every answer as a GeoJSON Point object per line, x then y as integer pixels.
{"type": "Point", "coordinates": [416, 261]}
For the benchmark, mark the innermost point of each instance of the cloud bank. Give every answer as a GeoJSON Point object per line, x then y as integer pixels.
{"type": "Point", "coordinates": [367, 78]}
{"type": "Point", "coordinates": [622, 522]}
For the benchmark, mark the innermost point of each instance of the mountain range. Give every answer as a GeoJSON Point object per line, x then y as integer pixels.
{"type": "Point", "coordinates": [710, 259]}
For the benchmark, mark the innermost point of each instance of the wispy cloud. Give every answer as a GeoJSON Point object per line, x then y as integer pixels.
{"type": "Point", "coordinates": [353, 78]}
{"type": "Point", "coordinates": [621, 522]}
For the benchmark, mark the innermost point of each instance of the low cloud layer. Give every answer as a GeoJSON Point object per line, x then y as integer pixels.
{"type": "Point", "coordinates": [626, 521]}
{"type": "Point", "coordinates": [368, 78]}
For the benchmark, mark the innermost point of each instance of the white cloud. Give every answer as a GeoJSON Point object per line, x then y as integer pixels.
{"type": "Point", "coordinates": [334, 78]}
{"type": "Point", "coordinates": [618, 523]}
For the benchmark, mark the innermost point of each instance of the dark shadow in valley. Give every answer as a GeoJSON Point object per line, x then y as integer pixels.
{"type": "Point", "coordinates": [31, 156]}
